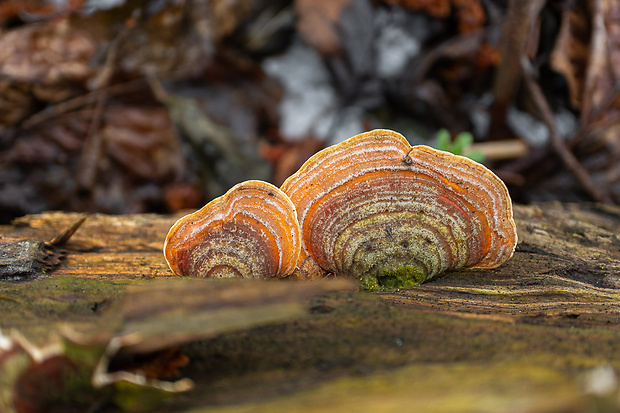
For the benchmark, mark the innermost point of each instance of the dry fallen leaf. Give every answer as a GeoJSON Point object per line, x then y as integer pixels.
{"type": "Point", "coordinates": [143, 141]}
{"type": "Point", "coordinates": [570, 54]}
{"type": "Point", "coordinates": [318, 23]}
{"type": "Point", "coordinates": [47, 53]}
{"type": "Point", "coordinates": [435, 8]}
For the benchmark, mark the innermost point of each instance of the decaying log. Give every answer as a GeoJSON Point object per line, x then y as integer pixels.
{"type": "Point", "coordinates": [540, 333]}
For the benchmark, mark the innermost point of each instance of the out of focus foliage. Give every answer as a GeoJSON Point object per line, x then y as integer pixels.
{"type": "Point", "coordinates": [126, 106]}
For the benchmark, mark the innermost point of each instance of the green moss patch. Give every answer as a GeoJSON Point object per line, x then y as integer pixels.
{"type": "Point", "coordinates": [472, 388]}
{"type": "Point", "coordinates": [405, 276]}
{"type": "Point", "coordinates": [35, 308]}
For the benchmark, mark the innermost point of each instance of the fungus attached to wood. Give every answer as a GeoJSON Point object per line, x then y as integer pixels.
{"type": "Point", "coordinates": [394, 215]}
{"type": "Point", "coordinates": [250, 232]}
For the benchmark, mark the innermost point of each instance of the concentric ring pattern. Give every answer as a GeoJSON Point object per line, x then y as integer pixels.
{"type": "Point", "coordinates": [394, 215]}
{"type": "Point", "coordinates": [250, 232]}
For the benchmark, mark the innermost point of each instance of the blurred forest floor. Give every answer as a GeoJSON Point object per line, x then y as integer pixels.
{"type": "Point", "coordinates": [126, 106]}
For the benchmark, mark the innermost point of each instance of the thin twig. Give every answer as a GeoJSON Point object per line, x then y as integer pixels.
{"type": "Point", "coordinates": [67, 233]}
{"type": "Point", "coordinates": [54, 111]}
{"type": "Point", "coordinates": [87, 167]}
{"type": "Point", "coordinates": [568, 158]}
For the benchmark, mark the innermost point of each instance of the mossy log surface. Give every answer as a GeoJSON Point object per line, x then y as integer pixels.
{"type": "Point", "coordinates": [538, 334]}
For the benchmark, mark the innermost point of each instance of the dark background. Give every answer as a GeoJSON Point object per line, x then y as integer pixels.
{"type": "Point", "coordinates": [155, 106]}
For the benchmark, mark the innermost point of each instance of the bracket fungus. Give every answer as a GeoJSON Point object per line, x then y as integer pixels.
{"type": "Point", "coordinates": [393, 215]}
{"type": "Point", "coordinates": [372, 207]}
{"type": "Point", "coordinates": [250, 232]}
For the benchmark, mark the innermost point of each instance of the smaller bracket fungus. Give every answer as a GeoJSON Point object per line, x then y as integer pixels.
{"type": "Point", "coordinates": [250, 232]}
{"type": "Point", "coordinates": [394, 215]}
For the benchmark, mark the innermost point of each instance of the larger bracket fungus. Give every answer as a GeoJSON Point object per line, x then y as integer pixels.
{"type": "Point", "coordinates": [249, 232]}
{"type": "Point", "coordinates": [372, 207]}
{"type": "Point", "coordinates": [393, 215]}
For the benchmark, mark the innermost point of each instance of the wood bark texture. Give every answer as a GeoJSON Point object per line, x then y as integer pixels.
{"type": "Point", "coordinates": [541, 333]}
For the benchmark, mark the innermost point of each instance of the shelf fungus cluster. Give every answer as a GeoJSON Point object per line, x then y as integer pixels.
{"type": "Point", "coordinates": [372, 207]}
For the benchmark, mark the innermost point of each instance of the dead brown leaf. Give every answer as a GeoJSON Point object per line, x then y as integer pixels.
{"type": "Point", "coordinates": [288, 157]}
{"type": "Point", "coordinates": [318, 21]}
{"type": "Point", "coordinates": [143, 141]}
{"type": "Point", "coordinates": [470, 15]}
{"type": "Point", "coordinates": [570, 54]}
{"type": "Point", "coordinates": [16, 102]}
{"type": "Point", "coordinates": [46, 53]}
{"type": "Point", "coordinates": [11, 10]}
{"type": "Point", "coordinates": [587, 54]}
{"type": "Point", "coordinates": [46, 61]}
{"type": "Point", "coordinates": [435, 8]}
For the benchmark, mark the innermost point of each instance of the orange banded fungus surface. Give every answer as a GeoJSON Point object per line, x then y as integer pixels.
{"type": "Point", "coordinates": [249, 232]}
{"type": "Point", "coordinates": [394, 215]}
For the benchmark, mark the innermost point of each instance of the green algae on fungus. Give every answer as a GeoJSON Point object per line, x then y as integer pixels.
{"type": "Point", "coordinates": [401, 276]}
{"type": "Point", "coordinates": [392, 215]}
